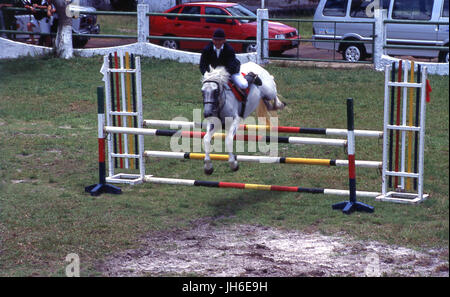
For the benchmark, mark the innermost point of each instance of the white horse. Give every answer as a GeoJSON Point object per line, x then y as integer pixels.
{"type": "Point", "coordinates": [219, 102]}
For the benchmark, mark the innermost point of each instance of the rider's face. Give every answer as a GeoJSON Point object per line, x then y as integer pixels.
{"type": "Point", "coordinates": [218, 42]}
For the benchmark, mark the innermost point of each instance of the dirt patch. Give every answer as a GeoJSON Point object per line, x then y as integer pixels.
{"type": "Point", "coordinates": [257, 251]}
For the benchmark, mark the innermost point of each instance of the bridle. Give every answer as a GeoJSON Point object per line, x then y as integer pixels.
{"type": "Point", "coordinates": [213, 100]}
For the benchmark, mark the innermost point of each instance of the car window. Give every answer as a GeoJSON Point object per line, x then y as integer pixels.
{"type": "Point", "coordinates": [239, 10]}
{"type": "Point", "coordinates": [215, 10]}
{"type": "Point", "coordinates": [445, 9]}
{"type": "Point", "coordinates": [412, 9]}
{"type": "Point", "coordinates": [190, 10]}
{"type": "Point", "coordinates": [358, 9]}
{"type": "Point", "coordinates": [335, 8]}
{"type": "Point", "coordinates": [176, 10]}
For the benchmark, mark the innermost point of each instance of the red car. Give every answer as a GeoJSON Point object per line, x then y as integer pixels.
{"type": "Point", "coordinates": [197, 27]}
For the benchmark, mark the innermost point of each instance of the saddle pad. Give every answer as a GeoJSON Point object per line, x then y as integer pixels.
{"type": "Point", "coordinates": [238, 94]}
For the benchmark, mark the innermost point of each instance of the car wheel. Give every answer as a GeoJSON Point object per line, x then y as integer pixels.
{"type": "Point", "coordinates": [276, 53]}
{"type": "Point", "coordinates": [249, 48]}
{"type": "Point", "coordinates": [170, 43]}
{"type": "Point", "coordinates": [79, 42]}
{"type": "Point", "coordinates": [443, 57]}
{"type": "Point", "coordinates": [353, 53]}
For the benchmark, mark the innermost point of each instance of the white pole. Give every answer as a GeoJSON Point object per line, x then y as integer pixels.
{"type": "Point", "coordinates": [262, 32]}
{"type": "Point", "coordinates": [140, 117]}
{"type": "Point", "coordinates": [422, 132]}
{"type": "Point", "coordinates": [107, 79]}
{"type": "Point", "coordinates": [124, 104]}
{"type": "Point", "coordinates": [405, 103]}
{"type": "Point", "coordinates": [378, 48]}
{"type": "Point", "coordinates": [143, 22]}
{"type": "Point", "coordinates": [317, 141]}
{"type": "Point", "coordinates": [385, 130]}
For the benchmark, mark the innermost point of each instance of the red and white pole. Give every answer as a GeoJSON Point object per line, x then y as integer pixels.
{"type": "Point", "coordinates": [352, 205]}
{"type": "Point", "coordinates": [102, 186]}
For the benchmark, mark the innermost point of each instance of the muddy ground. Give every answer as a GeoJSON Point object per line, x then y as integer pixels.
{"type": "Point", "coordinates": [258, 251]}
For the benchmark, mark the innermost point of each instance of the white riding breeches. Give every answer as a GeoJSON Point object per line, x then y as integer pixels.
{"type": "Point", "coordinates": [239, 81]}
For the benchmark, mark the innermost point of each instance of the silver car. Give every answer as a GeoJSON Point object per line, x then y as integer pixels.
{"type": "Point", "coordinates": [82, 24]}
{"type": "Point", "coordinates": [343, 16]}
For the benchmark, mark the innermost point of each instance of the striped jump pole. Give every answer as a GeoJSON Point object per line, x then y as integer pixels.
{"type": "Point", "coordinates": [245, 186]}
{"type": "Point", "coordinates": [102, 186]}
{"type": "Point", "coordinates": [262, 159]}
{"type": "Point", "coordinates": [195, 134]}
{"type": "Point", "coordinates": [279, 129]}
{"type": "Point", "coordinates": [348, 207]}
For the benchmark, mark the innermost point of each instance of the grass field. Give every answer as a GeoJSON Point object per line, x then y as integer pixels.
{"type": "Point", "coordinates": [119, 25]}
{"type": "Point", "coordinates": [48, 144]}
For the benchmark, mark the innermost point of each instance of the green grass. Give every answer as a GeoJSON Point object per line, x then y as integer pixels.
{"type": "Point", "coordinates": [304, 28]}
{"type": "Point", "coordinates": [48, 144]}
{"type": "Point", "coordinates": [118, 25]}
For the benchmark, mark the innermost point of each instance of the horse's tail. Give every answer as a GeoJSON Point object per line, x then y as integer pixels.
{"type": "Point", "coordinates": [263, 112]}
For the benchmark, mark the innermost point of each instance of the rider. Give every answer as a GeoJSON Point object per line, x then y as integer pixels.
{"type": "Point", "coordinates": [220, 53]}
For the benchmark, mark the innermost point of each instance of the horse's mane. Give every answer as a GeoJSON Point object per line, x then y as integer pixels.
{"type": "Point", "coordinates": [218, 74]}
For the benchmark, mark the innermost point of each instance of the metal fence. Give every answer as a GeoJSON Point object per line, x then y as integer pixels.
{"type": "Point", "coordinates": [334, 39]}
{"type": "Point", "coordinates": [263, 39]}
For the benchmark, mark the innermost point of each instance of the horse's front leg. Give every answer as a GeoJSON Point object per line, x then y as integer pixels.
{"type": "Point", "coordinates": [208, 166]}
{"type": "Point", "coordinates": [229, 144]}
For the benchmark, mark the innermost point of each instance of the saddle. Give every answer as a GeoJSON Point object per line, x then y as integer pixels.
{"type": "Point", "coordinates": [241, 94]}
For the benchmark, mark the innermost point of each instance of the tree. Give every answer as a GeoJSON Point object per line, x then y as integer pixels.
{"type": "Point", "coordinates": [63, 43]}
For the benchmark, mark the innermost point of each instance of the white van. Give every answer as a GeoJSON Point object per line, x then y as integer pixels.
{"type": "Point", "coordinates": [343, 16]}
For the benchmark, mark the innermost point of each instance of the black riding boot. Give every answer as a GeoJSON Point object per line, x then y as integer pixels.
{"type": "Point", "coordinates": [253, 78]}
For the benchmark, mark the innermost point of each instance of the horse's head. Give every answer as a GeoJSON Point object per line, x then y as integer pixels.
{"type": "Point", "coordinates": [210, 93]}
{"type": "Point", "coordinates": [211, 88]}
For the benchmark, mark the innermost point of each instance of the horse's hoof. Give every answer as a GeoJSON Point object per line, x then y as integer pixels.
{"type": "Point", "coordinates": [234, 167]}
{"type": "Point", "coordinates": [209, 171]}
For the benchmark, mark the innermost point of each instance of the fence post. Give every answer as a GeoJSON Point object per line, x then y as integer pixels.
{"type": "Point", "coordinates": [262, 32]}
{"type": "Point", "coordinates": [143, 23]}
{"type": "Point", "coordinates": [380, 38]}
